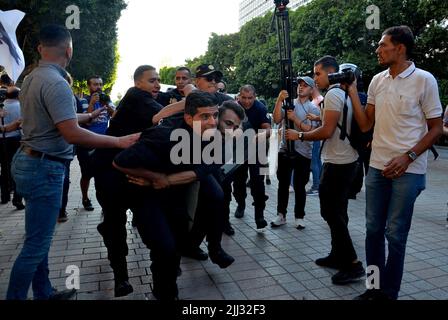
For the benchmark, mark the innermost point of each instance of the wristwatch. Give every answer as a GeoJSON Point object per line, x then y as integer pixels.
{"type": "Point", "coordinates": [301, 137]}
{"type": "Point", "coordinates": [412, 155]}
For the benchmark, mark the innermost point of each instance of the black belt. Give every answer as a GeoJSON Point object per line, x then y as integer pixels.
{"type": "Point", "coordinates": [37, 154]}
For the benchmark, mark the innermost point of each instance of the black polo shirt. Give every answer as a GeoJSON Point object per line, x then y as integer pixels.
{"type": "Point", "coordinates": [134, 114]}
{"type": "Point", "coordinates": [256, 116]}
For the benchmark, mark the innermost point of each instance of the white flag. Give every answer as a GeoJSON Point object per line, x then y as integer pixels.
{"type": "Point", "coordinates": [11, 56]}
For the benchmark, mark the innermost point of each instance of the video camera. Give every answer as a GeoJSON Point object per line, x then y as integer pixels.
{"type": "Point", "coordinates": [104, 98]}
{"type": "Point", "coordinates": [347, 74]}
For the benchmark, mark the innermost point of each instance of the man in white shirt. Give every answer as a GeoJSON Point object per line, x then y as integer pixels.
{"type": "Point", "coordinates": [404, 105]}
{"type": "Point", "coordinates": [338, 173]}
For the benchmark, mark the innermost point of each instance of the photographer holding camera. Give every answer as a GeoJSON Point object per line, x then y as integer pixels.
{"type": "Point", "coordinates": [339, 168]}
{"type": "Point", "coordinates": [97, 100]}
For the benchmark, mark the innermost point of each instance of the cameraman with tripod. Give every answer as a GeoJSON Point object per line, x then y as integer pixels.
{"type": "Point", "coordinates": [338, 171]}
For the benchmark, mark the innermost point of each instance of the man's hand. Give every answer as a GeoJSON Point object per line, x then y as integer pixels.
{"type": "Point", "coordinates": [94, 99]}
{"type": "Point", "coordinates": [291, 134]}
{"type": "Point", "coordinates": [127, 141]}
{"type": "Point", "coordinates": [313, 117]}
{"type": "Point", "coordinates": [283, 95]}
{"type": "Point", "coordinates": [396, 167]}
{"type": "Point", "coordinates": [352, 88]}
{"type": "Point", "coordinates": [95, 114]}
{"type": "Point", "coordinates": [189, 88]}
{"type": "Point", "coordinates": [142, 182]}
{"type": "Point", "coordinates": [160, 181]}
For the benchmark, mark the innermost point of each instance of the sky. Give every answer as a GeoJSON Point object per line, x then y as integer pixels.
{"type": "Point", "coordinates": [166, 33]}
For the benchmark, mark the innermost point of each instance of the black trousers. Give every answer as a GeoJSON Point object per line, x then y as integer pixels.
{"type": "Point", "coordinates": [8, 148]}
{"type": "Point", "coordinates": [161, 222]}
{"type": "Point", "coordinates": [115, 198]}
{"type": "Point", "coordinates": [301, 166]}
{"type": "Point", "coordinates": [334, 187]}
{"type": "Point", "coordinates": [257, 188]}
{"type": "Point", "coordinates": [210, 214]}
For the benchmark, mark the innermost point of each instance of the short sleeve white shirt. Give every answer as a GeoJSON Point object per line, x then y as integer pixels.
{"type": "Point", "coordinates": [402, 107]}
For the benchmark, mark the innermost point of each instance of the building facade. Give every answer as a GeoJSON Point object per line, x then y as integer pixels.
{"type": "Point", "coordinates": [250, 9]}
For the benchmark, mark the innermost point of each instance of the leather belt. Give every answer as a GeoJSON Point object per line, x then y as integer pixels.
{"type": "Point", "coordinates": [37, 154]}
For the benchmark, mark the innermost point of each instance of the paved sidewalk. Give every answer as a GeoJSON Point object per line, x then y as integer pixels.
{"type": "Point", "coordinates": [275, 265]}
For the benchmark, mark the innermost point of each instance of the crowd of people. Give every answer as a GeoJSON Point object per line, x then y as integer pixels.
{"type": "Point", "coordinates": [128, 151]}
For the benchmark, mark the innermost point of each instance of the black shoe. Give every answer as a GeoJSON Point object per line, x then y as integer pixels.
{"type": "Point", "coordinates": [195, 253]}
{"type": "Point", "coordinates": [18, 204]}
{"type": "Point", "coordinates": [328, 262]}
{"type": "Point", "coordinates": [261, 223]}
{"type": "Point", "coordinates": [123, 288]}
{"type": "Point", "coordinates": [353, 273]}
{"type": "Point", "coordinates": [63, 217]}
{"type": "Point", "coordinates": [373, 294]}
{"type": "Point", "coordinates": [239, 213]}
{"type": "Point", "coordinates": [87, 204]}
{"type": "Point", "coordinates": [221, 258]}
{"type": "Point", "coordinates": [228, 229]}
{"type": "Point", "coordinates": [62, 295]}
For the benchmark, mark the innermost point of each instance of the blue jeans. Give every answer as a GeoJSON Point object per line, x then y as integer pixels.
{"type": "Point", "coordinates": [316, 165]}
{"type": "Point", "coordinates": [389, 209]}
{"type": "Point", "coordinates": [40, 182]}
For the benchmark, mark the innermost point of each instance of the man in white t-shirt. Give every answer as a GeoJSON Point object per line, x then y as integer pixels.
{"type": "Point", "coordinates": [338, 173]}
{"type": "Point", "coordinates": [404, 105]}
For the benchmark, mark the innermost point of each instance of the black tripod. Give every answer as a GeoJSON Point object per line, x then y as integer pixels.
{"type": "Point", "coordinates": [281, 20]}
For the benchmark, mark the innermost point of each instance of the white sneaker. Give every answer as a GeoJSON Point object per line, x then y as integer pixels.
{"type": "Point", "coordinates": [300, 224]}
{"type": "Point", "coordinates": [279, 221]}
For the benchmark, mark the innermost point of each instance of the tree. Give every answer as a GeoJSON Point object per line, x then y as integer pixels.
{"type": "Point", "coordinates": [95, 43]}
{"type": "Point", "coordinates": [167, 75]}
{"type": "Point", "coordinates": [336, 28]}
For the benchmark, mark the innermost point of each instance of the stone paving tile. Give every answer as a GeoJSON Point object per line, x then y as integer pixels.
{"type": "Point", "coordinates": [276, 264]}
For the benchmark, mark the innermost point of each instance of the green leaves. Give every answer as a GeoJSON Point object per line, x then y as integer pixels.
{"type": "Point", "coordinates": [95, 43]}
{"type": "Point", "coordinates": [331, 27]}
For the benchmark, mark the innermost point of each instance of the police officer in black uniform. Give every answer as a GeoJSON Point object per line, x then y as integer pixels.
{"type": "Point", "coordinates": [113, 192]}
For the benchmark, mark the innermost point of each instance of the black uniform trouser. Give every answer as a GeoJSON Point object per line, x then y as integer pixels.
{"type": "Point", "coordinates": [333, 194]}
{"type": "Point", "coordinates": [227, 189]}
{"type": "Point", "coordinates": [301, 166]}
{"type": "Point", "coordinates": [8, 148]}
{"type": "Point", "coordinates": [161, 222]}
{"type": "Point", "coordinates": [257, 188]}
{"type": "Point", "coordinates": [210, 214]}
{"type": "Point", "coordinates": [115, 197]}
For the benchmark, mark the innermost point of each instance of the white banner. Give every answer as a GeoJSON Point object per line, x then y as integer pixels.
{"type": "Point", "coordinates": [11, 56]}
